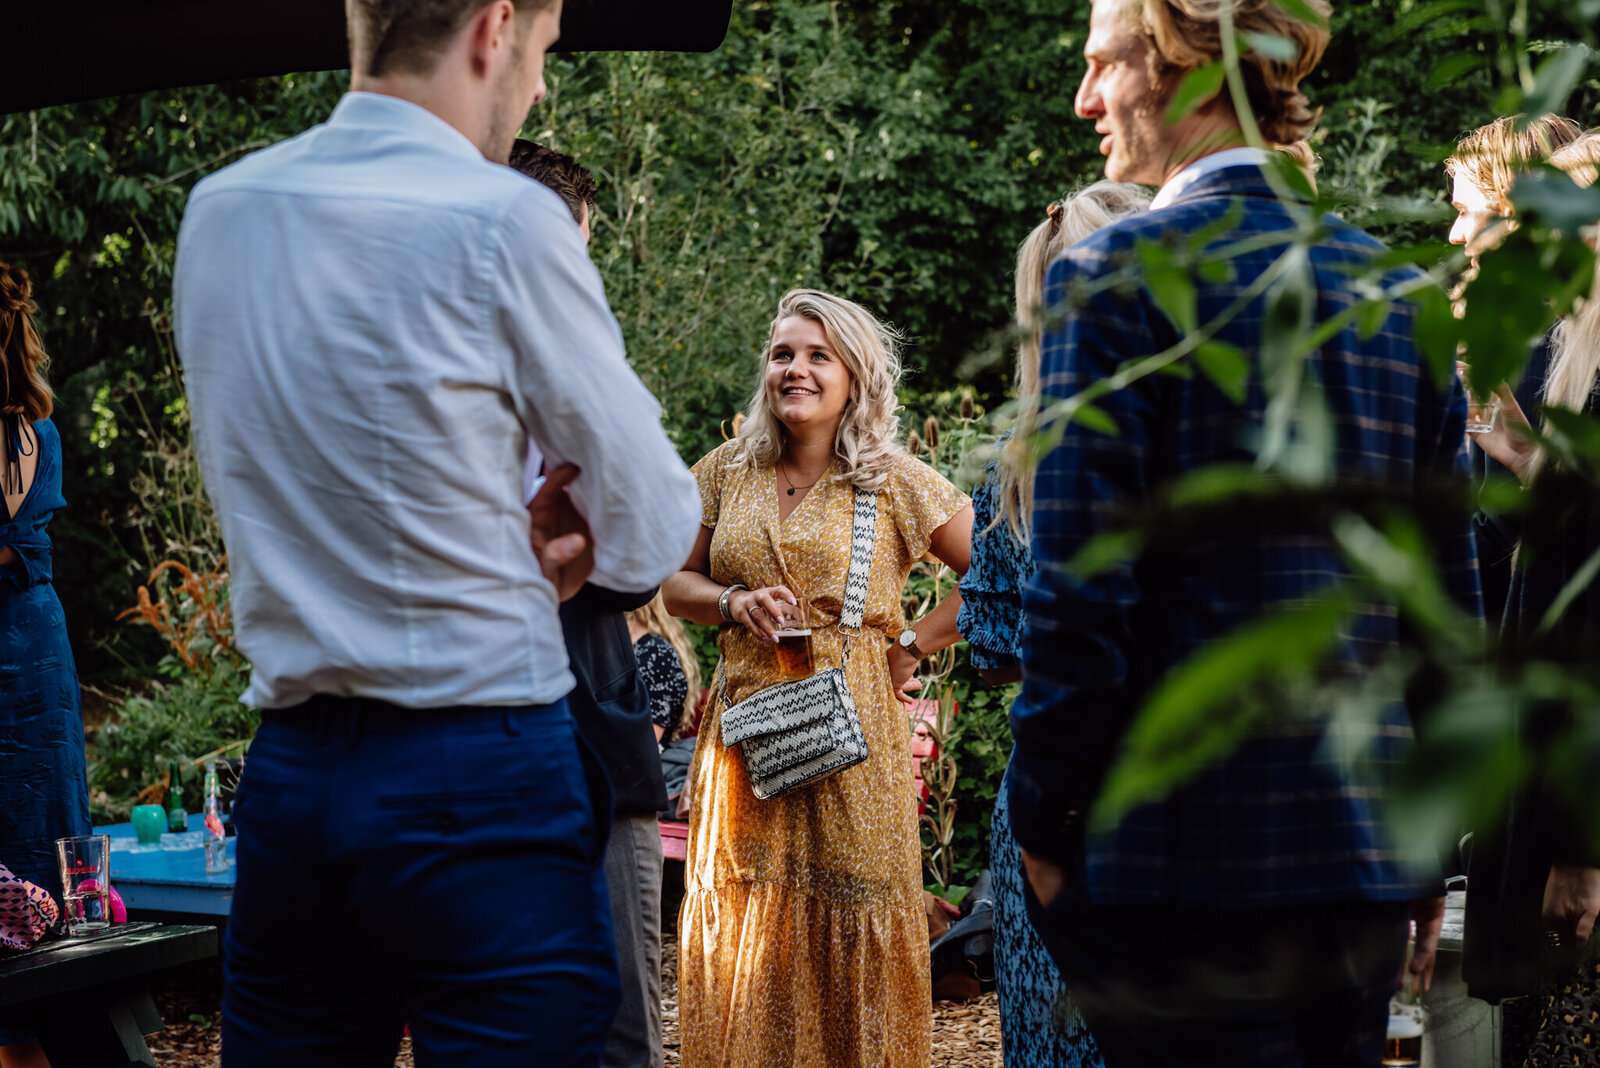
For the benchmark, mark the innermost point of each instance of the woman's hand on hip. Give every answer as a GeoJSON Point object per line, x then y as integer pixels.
{"type": "Point", "coordinates": [765, 611]}
{"type": "Point", "coordinates": [903, 673]}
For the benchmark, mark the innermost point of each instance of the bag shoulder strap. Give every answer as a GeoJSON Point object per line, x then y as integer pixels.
{"type": "Point", "coordinates": [864, 534]}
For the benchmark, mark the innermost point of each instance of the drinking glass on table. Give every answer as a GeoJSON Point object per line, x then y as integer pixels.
{"type": "Point", "coordinates": [794, 640]}
{"type": "Point", "coordinates": [1480, 417]}
{"type": "Point", "coordinates": [85, 863]}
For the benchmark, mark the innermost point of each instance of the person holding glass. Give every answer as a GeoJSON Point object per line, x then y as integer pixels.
{"type": "Point", "coordinates": [44, 793]}
{"type": "Point", "coordinates": [803, 939]}
{"type": "Point", "coordinates": [1534, 880]}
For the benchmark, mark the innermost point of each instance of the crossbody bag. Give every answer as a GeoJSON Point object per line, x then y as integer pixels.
{"type": "Point", "coordinates": [799, 732]}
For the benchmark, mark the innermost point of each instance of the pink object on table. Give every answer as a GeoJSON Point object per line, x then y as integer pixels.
{"type": "Point", "coordinates": [119, 911]}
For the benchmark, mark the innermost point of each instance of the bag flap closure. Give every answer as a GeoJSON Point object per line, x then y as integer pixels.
{"type": "Point", "coordinates": [782, 707]}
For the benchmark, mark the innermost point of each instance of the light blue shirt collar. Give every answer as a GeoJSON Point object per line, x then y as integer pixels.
{"type": "Point", "coordinates": [381, 111]}
{"type": "Point", "coordinates": [1230, 157]}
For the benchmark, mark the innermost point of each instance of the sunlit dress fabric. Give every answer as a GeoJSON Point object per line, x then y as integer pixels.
{"type": "Point", "coordinates": [803, 940]}
{"type": "Point", "coordinates": [43, 792]}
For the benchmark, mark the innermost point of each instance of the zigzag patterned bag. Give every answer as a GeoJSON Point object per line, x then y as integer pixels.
{"type": "Point", "coordinates": [798, 732]}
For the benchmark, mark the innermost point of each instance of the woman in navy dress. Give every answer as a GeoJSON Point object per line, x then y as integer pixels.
{"type": "Point", "coordinates": [1039, 1026]}
{"type": "Point", "coordinates": [43, 791]}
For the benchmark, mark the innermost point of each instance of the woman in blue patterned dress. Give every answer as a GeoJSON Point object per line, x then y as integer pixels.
{"type": "Point", "coordinates": [43, 792]}
{"type": "Point", "coordinates": [1039, 1026]}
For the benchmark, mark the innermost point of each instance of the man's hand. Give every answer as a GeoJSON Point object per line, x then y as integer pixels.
{"type": "Point", "coordinates": [1045, 876]}
{"type": "Point", "coordinates": [1428, 913]}
{"type": "Point", "coordinates": [559, 535]}
{"type": "Point", "coordinates": [1571, 899]}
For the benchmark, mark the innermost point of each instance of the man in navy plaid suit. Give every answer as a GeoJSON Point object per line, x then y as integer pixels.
{"type": "Point", "coordinates": [1257, 915]}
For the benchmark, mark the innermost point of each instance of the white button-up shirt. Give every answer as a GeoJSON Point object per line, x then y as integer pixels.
{"type": "Point", "coordinates": [374, 321]}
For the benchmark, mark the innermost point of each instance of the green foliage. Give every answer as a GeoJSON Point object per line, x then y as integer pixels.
{"type": "Point", "coordinates": [183, 719]}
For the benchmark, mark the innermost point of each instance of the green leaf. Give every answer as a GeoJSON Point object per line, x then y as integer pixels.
{"type": "Point", "coordinates": [1105, 551]}
{"type": "Point", "coordinates": [1515, 298]}
{"type": "Point", "coordinates": [1302, 11]}
{"type": "Point", "coordinates": [1093, 418]}
{"type": "Point", "coordinates": [1290, 174]}
{"type": "Point", "coordinates": [1227, 366]}
{"type": "Point", "coordinates": [1269, 46]}
{"type": "Point", "coordinates": [1290, 302]}
{"type": "Point", "coordinates": [1169, 284]}
{"type": "Point", "coordinates": [1197, 87]}
{"type": "Point", "coordinates": [1555, 80]}
{"type": "Point", "coordinates": [1575, 433]}
{"type": "Point", "coordinates": [1202, 709]}
{"type": "Point", "coordinates": [1399, 561]}
{"type": "Point", "coordinates": [1454, 67]}
{"type": "Point", "coordinates": [1575, 587]}
{"type": "Point", "coordinates": [1370, 317]}
{"type": "Point", "coordinates": [1437, 332]}
{"type": "Point", "coordinates": [1553, 199]}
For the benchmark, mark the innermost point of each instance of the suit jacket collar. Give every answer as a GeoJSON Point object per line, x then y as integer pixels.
{"type": "Point", "coordinates": [1242, 181]}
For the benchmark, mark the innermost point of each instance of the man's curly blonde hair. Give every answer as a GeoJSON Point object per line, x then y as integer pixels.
{"type": "Point", "coordinates": [1185, 34]}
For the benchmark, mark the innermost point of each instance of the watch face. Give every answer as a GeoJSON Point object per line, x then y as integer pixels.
{"type": "Point", "coordinates": [907, 637]}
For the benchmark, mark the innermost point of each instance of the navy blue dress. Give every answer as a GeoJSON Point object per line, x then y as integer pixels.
{"type": "Point", "coordinates": [1038, 1023]}
{"type": "Point", "coordinates": [43, 791]}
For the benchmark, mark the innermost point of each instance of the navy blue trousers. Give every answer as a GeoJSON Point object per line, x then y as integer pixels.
{"type": "Point", "coordinates": [1302, 987]}
{"type": "Point", "coordinates": [439, 869]}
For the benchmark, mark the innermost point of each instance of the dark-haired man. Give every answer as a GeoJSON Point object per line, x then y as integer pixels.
{"type": "Point", "coordinates": [375, 317]}
{"type": "Point", "coordinates": [1258, 914]}
{"type": "Point", "coordinates": [611, 707]}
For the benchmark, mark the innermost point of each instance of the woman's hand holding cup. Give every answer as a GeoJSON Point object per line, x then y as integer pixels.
{"type": "Point", "coordinates": [766, 611]}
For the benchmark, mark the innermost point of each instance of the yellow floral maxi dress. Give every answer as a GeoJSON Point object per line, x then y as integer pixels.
{"type": "Point", "coordinates": [803, 940]}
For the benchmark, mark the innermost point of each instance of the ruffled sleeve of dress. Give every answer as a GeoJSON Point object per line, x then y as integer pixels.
{"type": "Point", "coordinates": [711, 474]}
{"type": "Point", "coordinates": [920, 500]}
{"type": "Point", "coordinates": [991, 590]}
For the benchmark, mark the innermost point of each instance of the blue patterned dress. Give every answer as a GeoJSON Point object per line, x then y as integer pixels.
{"type": "Point", "coordinates": [43, 792]}
{"type": "Point", "coordinates": [1039, 1026]}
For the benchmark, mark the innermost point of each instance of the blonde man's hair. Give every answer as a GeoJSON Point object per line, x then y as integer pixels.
{"type": "Point", "coordinates": [1575, 341]}
{"type": "Point", "coordinates": [1069, 220]}
{"type": "Point", "coordinates": [1185, 34]}
{"type": "Point", "coordinates": [865, 444]}
{"type": "Point", "coordinates": [1492, 156]}
{"type": "Point", "coordinates": [655, 618]}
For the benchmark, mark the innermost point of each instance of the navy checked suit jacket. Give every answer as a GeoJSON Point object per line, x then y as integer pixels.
{"type": "Point", "coordinates": [1276, 823]}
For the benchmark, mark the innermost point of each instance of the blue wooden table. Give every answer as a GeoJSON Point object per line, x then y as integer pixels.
{"type": "Point", "coordinates": [168, 876]}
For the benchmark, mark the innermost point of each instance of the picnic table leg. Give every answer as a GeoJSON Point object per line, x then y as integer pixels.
{"type": "Point", "coordinates": [102, 1028]}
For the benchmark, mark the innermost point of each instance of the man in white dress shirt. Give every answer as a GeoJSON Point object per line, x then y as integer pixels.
{"type": "Point", "coordinates": [376, 319]}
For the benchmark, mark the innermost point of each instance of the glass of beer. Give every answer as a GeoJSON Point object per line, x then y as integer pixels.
{"type": "Point", "coordinates": [794, 641]}
{"type": "Point", "coordinates": [1402, 1046]}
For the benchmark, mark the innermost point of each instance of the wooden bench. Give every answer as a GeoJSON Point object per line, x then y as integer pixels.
{"type": "Point", "coordinates": [88, 997]}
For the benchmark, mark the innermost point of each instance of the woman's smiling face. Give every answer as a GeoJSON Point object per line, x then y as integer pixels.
{"type": "Point", "coordinates": [806, 381]}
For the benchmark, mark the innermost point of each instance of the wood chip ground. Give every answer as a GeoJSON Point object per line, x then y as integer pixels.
{"type": "Point", "coordinates": [965, 1034]}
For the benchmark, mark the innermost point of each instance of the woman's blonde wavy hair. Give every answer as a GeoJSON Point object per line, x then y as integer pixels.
{"type": "Point", "coordinates": [655, 618]}
{"type": "Point", "coordinates": [1575, 341]}
{"type": "Point", "coordinates": [1068, 221]}
{"type": "Point", "coordinates": [865, 444]}
{"type": "Point", "coordinates": [1185, 34]}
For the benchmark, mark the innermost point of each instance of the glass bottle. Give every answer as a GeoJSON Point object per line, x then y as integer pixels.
{"type": "Point", "coordinates": [177, 815]}
{"type": "Point", "coordinates": [216, 842]}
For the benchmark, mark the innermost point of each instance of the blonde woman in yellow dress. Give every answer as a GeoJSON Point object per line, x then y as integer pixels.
{"type": "Point", "coordinates": [803, 941]}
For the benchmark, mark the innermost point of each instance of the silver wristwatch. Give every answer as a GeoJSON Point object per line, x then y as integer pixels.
{"type": "Point", "coordinates": [908, 642]}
